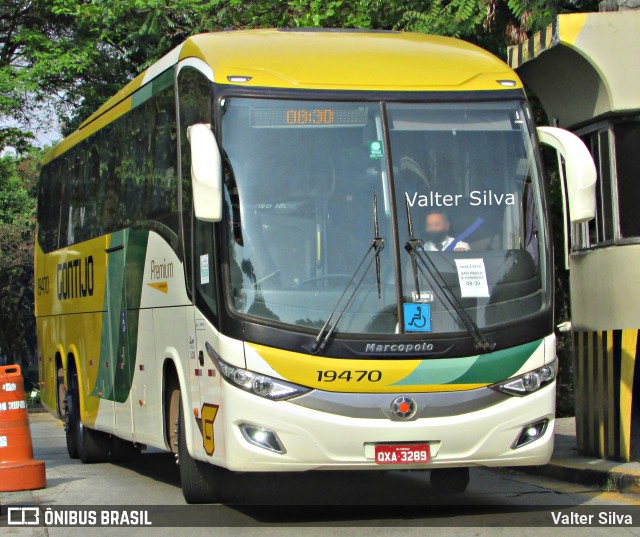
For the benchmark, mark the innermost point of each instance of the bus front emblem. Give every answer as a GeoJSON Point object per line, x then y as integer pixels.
{"type": "Point", "coordinates": [403, 407]}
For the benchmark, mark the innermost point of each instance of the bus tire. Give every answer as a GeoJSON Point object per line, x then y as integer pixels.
{"type": "Point", "coordinates": [201, 482]}
{"type": "Point", "coordinates": [86, 444]}
{"type": "Point", "coordinates": [450, 480]}
{"type": "Point", "coordinates": [61, 394]}
{"type": "Point", "coordinates": [69, 424]}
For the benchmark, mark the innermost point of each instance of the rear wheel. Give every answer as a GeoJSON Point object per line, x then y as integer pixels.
{"type": "Point", "coordinates": [201, 482]}
{"type": "Point", "coordinates": [69, 426]}
{"type": "Point", "coordinates": [83, 443]}
{"type": "Point", "coordinates": [60, 393]}
{"type": "Point", "coordinates": [450, 480]}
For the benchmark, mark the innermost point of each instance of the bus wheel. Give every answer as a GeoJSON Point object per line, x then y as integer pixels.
{"type": "Point", "coordinates": [69, 427]}
{"type": "Point", "coordinates": [201, 482]}
{"type": "Point", "coordinates": [60, 394]}
{"type": "Point", "coordinates": [83, 443]}
{"type": "Point", "coordinates": [450, 480]}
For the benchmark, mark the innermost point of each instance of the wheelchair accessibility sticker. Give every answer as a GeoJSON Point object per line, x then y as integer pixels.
{"type": "Point", "coordinates": [417, 317]}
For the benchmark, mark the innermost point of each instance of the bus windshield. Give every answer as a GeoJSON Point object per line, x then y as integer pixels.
{"type": "Point", "coordinates": [305, 181]}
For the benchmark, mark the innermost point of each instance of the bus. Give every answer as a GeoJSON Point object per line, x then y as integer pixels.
{"type": "Point", "coordinates": [292, 250]}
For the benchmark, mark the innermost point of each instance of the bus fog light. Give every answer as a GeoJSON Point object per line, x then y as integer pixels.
{"type": "Point", "coordinates": [531, 433]}
{"type": "Point", "coordinates": [261, 437]}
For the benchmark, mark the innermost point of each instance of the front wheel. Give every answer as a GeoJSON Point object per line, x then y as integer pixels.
{"type": "Point", "coordinates": [201, 482]}
{"type": "Point", "coordinates": [450, 480]}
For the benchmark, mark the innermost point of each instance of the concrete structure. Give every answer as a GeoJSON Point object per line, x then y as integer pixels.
{"type": "Point", "coordinates": [585, 68]}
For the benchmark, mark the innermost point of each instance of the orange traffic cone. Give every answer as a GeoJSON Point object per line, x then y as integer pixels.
{"type": "Point", "coordinates": [18, 470]}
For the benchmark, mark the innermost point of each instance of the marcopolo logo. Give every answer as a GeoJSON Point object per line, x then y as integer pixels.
{"type": "Point", "coordinates": [74, 278]}
{"type": "Point", "coordinates": [389, 348]}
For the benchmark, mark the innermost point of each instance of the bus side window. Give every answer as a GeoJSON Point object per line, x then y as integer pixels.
{"type": "Point", "coordinates": [111, 208]}
{"type": "Point", "coordinates": [48, 208]}
{"type": "Point", "coordinates": [205, 283]}
{"type": "Point", "coordinates": [65, 187]}
{"type": "Point", "coordinates": [195, 107]}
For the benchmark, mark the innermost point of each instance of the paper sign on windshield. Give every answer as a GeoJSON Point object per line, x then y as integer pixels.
{"type": "Point", "coordinates": [473, 278]}
{"type": "Point", "coordinates": [204, 269]}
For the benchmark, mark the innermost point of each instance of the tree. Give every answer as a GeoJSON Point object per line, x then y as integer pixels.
{"type": "Point", "coordinates": [18, 177]}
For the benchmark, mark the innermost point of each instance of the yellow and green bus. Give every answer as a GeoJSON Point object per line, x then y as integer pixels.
{"type": "Point", "coordinates": [286, 250]}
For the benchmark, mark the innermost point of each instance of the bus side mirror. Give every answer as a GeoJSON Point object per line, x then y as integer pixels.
{"type": "Point", "coordinates": [580, 172]}
{"type": "Point", "coordinates": [206, 173]}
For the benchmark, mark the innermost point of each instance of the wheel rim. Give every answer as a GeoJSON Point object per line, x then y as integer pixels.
{"type": "Point", "coordinates": [173, 424]}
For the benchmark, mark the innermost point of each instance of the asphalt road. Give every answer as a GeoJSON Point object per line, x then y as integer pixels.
{"type": "Point", "coordinates": [318, 503]}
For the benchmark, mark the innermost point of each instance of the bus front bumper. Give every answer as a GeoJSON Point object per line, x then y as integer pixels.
{"type": "Point", "coordinates": [316, 440]}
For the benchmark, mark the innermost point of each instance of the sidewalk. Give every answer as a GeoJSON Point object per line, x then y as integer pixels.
{"type": "Point", "coordinates": [568, 465]}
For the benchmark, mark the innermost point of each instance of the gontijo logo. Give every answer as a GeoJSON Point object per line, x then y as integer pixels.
{"type": "Point", "coordinates": [74, 278]}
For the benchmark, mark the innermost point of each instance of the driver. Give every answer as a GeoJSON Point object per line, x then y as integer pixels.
{"type": "Point", "coordinates": [436, 226]}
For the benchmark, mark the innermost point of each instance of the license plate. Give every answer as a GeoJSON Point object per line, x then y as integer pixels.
{"type": "Point", "coordinates": [402, 454]}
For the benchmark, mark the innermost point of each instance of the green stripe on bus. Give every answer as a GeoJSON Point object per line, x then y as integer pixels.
{"type": "Point", "coordinates": [482, 369]}
{"type": "Point", "coordinates": [136, 251]}
{"type": "Point", "coordinates": [152, 88]}
{"type": "Point", "coordinates": [111, 318]}
{"type": "Point", "coordinates": [119, 340]}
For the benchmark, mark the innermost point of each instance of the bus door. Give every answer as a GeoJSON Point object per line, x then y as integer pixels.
{"type": "Point", "coordinates": [124, 279]}
{"type": "Point", "coordinates": [205, 292]}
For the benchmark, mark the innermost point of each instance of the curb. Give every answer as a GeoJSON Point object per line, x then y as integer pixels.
{"type": "Point", "coordinates": [582, 472]}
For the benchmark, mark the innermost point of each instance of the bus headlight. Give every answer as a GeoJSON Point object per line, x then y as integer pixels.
{"type": "Point", "coordinates": [528, 382]}
{"type": "Point", "coordinates": [255, 383]}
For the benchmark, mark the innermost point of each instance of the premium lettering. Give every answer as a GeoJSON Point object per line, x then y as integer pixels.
{"type": "Point", "coordinates": [161, 271]}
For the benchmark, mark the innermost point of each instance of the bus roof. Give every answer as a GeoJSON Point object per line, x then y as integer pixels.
{"type": "Point", "coordinates": [321, 59]}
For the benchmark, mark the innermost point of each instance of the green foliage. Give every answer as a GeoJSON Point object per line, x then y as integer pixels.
{"type": "Point", "coordinates": [33, 396]}
{"type": "Point", "coordinates": [18, 176]}
{"type": "Point", "coordinates": [455, 18]}
{"type": "Point", "coordinates": [16, 198]}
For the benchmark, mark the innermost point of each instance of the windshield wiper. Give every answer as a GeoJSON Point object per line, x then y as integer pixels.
{"type": "Point", "coordinates": [412, 247]}
{"type": "Point", "coordinates": [420, 262]}
{"type": "Point", "coordinates": [377, 239]}
{"type": "Point", "coordinates": [327, 330]}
